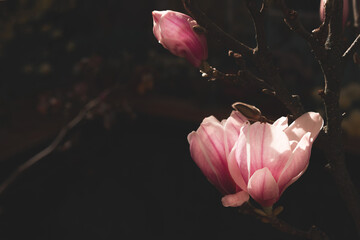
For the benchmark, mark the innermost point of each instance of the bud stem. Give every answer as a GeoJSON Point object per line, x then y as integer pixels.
{"type": "Point", "coordinates": [268, 210]}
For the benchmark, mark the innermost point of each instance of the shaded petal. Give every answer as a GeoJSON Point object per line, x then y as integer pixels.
{"type": "Point", "coordinates": [238, 165]}
{"type": "Point", "coordinates": [263, 188]}
{"type": "Point", "coordinates": [309, 122]}
{"type": "Point", "coordinates": [234, 166]}
{"type": "Point", "coordinates": [235, 200]}
{"type": "Point", "coordinates": [297, 163]}
{"type": "Point", "coordinates": [232, 128]}
{"type": "Point", "coordinates": [208, 152]}
{"type": "Point", "coordinates": [269, 147]}
{"type": "Point", "coordinates": [282, 123]}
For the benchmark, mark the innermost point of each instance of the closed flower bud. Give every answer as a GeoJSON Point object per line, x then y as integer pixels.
{"type": "Point", "coordinates": [175, 31]}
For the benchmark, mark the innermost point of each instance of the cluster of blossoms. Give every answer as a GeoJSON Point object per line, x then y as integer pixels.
{"type": "Point", "coordinates": [240, 159]}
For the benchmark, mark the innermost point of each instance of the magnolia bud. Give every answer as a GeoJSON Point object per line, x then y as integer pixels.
{"type": "Point", "coordinates": [179, 34]}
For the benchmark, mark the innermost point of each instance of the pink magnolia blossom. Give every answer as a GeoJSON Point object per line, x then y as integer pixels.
{"type": "Point", "coordinates": [267, 158]}
{"type": "Point", "coordinates": [345, 10]}
{"type": "Point", "coordinates": [175, 32]}
{"type": "Point", "coordinates": [210, 146]}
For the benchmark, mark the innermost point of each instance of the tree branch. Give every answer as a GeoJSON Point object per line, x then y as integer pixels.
{"type": "Point", "coordinates": [262, 59]}
{"type": "Point", "coordinates": [55, 143]}
{"type": "Point", "coordinates": [259, 24]}
{"type": "Point", "coordinates": [356, 9]}
{"type": "Point", "coordinates": [353, 48]}
{"type": "Point", "coordinates": [215, 30]}
{"type": "Point", "coordinates": [335, 7]}
{"type": "Point", "coordinates": [293, 22]}
{"type": "Point", "coordinates": [331, 58]}
{"type": "Point", "coordinates": [243, 77]}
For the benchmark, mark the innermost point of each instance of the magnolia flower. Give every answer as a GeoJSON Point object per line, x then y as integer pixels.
{"type": "Point", "coordinates": [345, 10]}
{"type": "Point", "coordinates": [210, 146]}
{"type": "Point", "coordinates": [175, 32]}
{"type": "Point", "coordinates": [267, 158]}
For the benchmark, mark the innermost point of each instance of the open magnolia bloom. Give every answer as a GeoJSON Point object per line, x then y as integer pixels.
{"type": "Point", "coordinates": [267, 158]}
{"type": "Point", "coordinates": [210, 146]}
{"type": "Point", "coordinates": [174, 30]}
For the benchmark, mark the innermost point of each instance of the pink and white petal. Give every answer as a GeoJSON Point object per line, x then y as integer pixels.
{"type": "Point", "coordinates": [156, 29]}
{"type": "Point", "coordinates": [240, 157]}
{"type": "Point", "coordinates": [269, 147]}
{"type": "Point", "coordinates": [211, 165]}
{"type": "Point", "coordinates": [234, 168]}
{"type": "Point", "coordinates": [180, 39]}
{"type": "Point", "coordinates": [211, 119]}
{"type": "Point", "coordinates": [235, 200]}
{"type": "Point", "coordinates": [202, 158]}
{"type": "Point", "coordinates": [293, 144]}
{"type": "Point", "coordinates": [293, 180]}
{"type": "Point", "coordinates": [208, 152]}
{"type": "Point", "coordinates": [232, 128]}
{"type": "Point", "coordinates": [297, 162]}
{"type": "Point", "coordinates": [282, 123]}
{"type": "Point", "coordinates": [263, 188]}
{"type": "Point", "coordinates": [309, 122]}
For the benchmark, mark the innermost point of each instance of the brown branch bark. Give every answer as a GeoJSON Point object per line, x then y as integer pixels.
{"type": "Point", "coordinates": [215, 31]}
{"type": "Point", "coordinates": [55, 143]}
{"type": "Point", "coordinates": [262, 59]}
{"type": "Point", "coordinates": [242, 77]}
{"type": "Point", "coordinates": [356, 14]}
{"type": "Point", "coordinates": [353, 48]}
{"type": "Point", "coordinates": [331, 58]}
{"type": "Point", "coordinates": [258, 15]}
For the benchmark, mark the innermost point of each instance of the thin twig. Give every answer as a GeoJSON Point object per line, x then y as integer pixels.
{"type": "Point", "coordinates": [292, 20]}
{"type": "Point", "coordinates": [55, 143]}
{"type": "Point", "coordinates": [257, 15]}
{"type": "Point", "coordinates": [335, 8]}
{"type": "Point", "coordinates": [242, 77]}
{"type": "Point", "coordinates": [356, 14]}
{"type": "Point", "coordinates": [215, 30]}
{"type": "Point", "coordinates": [353, 48]}
{"type": "Point", "coordinates": [263, 60]}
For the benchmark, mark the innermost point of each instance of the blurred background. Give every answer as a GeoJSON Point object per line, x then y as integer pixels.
{"type": "Point", "coordinates": [124, 171]}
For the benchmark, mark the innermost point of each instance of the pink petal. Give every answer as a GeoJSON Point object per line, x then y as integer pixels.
{"type": "Point", "coordinates": [282, 123]}
{"type": "Point", "coordinates": [232, 128]}
{"type": "Point", "coordinates": [156, 29]}
{"type": "Point", "coordinates": [235, 200]}
{"type": "Point", "coordinates": [208, 152]}
{"type": "Point", "coordinates": [176, 34]}
{"type": "Point", "coordinates": [234, 167]}
{"type": "Point", "coordinates": [268, 146]}
{"type": "Point", "coordinates": [237, 160]}
{"type": "Point", "coordinates": [309, 122]}
{"type": "Point", "coordinates": [263, 188]}
{"type": "Point", "coordinates": [297, 163]}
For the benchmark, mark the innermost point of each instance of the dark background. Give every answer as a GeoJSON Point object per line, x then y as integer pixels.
{"type": "Point", "coordinates": [125, 171]}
